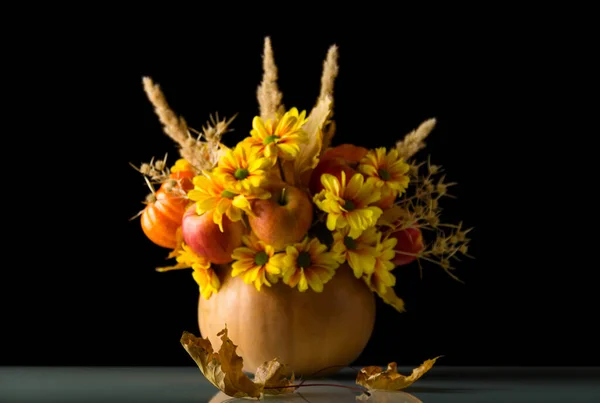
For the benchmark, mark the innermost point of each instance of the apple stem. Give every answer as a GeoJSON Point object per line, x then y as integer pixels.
{"type": "Point", "coordinates": [282, 198]}
{"type": "Point", "coordinates": [281, 169]}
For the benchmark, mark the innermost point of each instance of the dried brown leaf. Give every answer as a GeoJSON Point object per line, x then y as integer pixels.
{"type": "Point", "coordinates": [374, 377]}
{"type": "Point", "coordinates": [224, 368]}
{"type": "Point", "coordinates": [273, 376]}
{"type": "Point", "coordinates": [308, 157]}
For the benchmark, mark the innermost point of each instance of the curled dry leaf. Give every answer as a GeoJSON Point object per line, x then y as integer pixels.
{"type": "Point", "coordinates": [273, 375]}
{"type": "Point", "coordinates": [374, 377]}
{"type": "Point", "coordinates": [224, 368]}
{"type": "Point", "coordinates": [308, 157]}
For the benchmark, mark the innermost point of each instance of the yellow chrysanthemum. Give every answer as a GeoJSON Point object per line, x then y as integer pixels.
{"type": "Point", "coordinates": [349, 204]}
{"type": "Point", "coordinates": [388, 170]}
{"type": "Point", "coordinates": [382, 281]}
{"type": "Point", "coordinates": [203, 274]}
{"type": "Point", "coordinates": [211, 192]}
{"type": "Point", "coordinates": [280, 137]}
{"type": "Point", "coordinates": [254, 262]}
{"type": "Point", "coordinates": [360, 252]}
{"type": "Point", "coordinates": [243, 169]}
{"type": "Point", "coordinates": [181, 165]}
{"type": "Point", "coordinates": [307, 264]}
{"type": "Point", "coordinates": [381, 278]}
{"type": "Point", "coordinates": [208, 281]}
{"type": "Point", "coordinates": [389, 297]}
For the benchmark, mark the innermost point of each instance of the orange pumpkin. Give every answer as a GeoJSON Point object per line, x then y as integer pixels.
{"type": "Point", "coordinates": [184, 179]}
{"type": "Point", "coordinates": [183, 173]}
{"type": "Point", "coordinates": [308, 331]}
{"type": "Point", "coordinates": [162, 217]}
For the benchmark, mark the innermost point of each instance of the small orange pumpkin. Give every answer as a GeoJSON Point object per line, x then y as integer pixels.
{"type": "Point", "coordinates": [183, 173]}
{"type": "Point", "coordinates": [161, 218]}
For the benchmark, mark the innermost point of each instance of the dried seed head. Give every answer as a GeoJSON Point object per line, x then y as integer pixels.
{"type": "Point", "coordinates": [413, 170]}
{"type": "Point", "coordinates": [439, 246]}
{"type": "Point", "coordinates": [145, 168]}
{"type": "Point", "coordinates": [433, 221]}
{"type": "Point", "coordinates": [159, 165]}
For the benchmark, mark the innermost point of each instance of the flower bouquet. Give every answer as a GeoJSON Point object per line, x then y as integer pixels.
{"type": "Point", "coordinates": [289, 237]}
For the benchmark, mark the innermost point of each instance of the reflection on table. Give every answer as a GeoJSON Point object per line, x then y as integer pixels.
{"type": "Point", "coordinates": [327, 395]}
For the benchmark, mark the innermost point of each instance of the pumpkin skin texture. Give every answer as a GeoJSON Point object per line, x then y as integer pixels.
{"type": "Point", "coordinates": [307, 331]}
{"type": "Point", "coordinates": [161, 218]}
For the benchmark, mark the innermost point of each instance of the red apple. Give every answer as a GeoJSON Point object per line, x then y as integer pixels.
{"type": "Point", "coordinates": [284, 218]}
{"type": "Point", "coordinates": [350, 153]}
{"type": "Point", "coordinates": [410, 240]}
{"type": "Point", "coordinates": [333, 166]}
{"type": "Point", "coordinates": [344, 157]}
{"type": "Point", "coordinates": [205, 238]}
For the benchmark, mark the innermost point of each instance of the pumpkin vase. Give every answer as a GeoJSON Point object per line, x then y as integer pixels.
{"type": "Point", "coordinates": [313, 333]}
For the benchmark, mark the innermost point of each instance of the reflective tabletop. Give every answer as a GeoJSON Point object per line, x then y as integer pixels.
{"type": "Point", "coordinates": [187, 384]}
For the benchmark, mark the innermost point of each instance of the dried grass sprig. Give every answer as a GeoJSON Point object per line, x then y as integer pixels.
{"type": "Point", "coordinates": [330, 72]}
{"type": "Point", "coordinates": [414, 141]}
{"type": "Point", "coordinates": [268, 94]}
{"type": "Point", "coordinates": [156, 171]}
{"type": "Point", "coordinates": [202, 152]}
{"type": "Point", "coordinates": [174, 126]}
{"type": "Point", "coordinates": [420, 208]}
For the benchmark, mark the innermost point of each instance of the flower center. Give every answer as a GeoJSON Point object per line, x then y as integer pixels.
{"type": "Point", "coordinates": [270, 139]}
{"type": "Point", "coordinates": [227, 194]}
{"type": "Point", "coordinates": [304, 260]}
{"type": "Point", "coordinates": [349, 205]}
{"type": "Point", "coordinates": [241, 174]}
{"type": "Point", "coordinates": [350, 242]}
{"type": "Point", "coordinates": [384, 174]}
{"type": "Point", "coordinates": [261, 258]}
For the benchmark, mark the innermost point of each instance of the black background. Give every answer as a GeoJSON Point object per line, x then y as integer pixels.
{"type": "Point", "coordinates": [80, 286]}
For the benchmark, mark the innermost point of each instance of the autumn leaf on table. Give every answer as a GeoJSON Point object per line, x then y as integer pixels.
{"type": "Point", "coordinates": [224, 368]}
{"type": "Point", "coordinates": [273, 376]}
{"type": "Point", "coordinates": [374, 377]}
